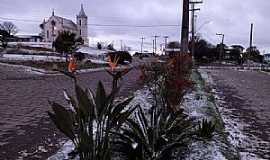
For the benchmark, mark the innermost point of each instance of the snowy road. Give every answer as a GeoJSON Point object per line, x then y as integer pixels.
{"type": "Point", "coordinates": [25, 130]}
{"type": "Point", "coordinates": [244, 103]}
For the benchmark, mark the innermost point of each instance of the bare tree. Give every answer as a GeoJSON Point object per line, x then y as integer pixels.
{"type": "Point", "coordinates": [9, 27]}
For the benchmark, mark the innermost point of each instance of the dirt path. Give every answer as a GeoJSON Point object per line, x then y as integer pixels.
{"type": "Point", "coordinates": [25, 130]}
{"type": "Point", "coordinates": [244, 102]}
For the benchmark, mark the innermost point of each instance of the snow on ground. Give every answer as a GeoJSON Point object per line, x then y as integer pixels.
{"type": "Point", "coordinates": [198, 105]}
{"type": "Point", "coordinates": [62, 154]}
{"type": "Point", "coordinates": [93, 51]}
{"type": "Point", "coordinates": [28, 69]}
{"type": "Point", "coordinates": [32, 57]}
{"type": "Point", "coordinates": [233, 125]}
{"type": "Point", "coordinates": [98, 61]}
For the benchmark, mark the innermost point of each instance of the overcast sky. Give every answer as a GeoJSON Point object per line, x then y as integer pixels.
{"type": "Point", "coordinates": [231, 17]}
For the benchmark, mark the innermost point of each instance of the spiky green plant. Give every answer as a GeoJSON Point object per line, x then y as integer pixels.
{"type": "Point", "coordinates": [158, 137]}
{"type": "Point", "coordinates": [206, 129]}
{"type": "Point", "coordinates": [90, 121]}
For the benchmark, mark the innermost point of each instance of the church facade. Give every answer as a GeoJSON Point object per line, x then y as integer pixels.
{"type": "Point", "coordinates": [56, 24]}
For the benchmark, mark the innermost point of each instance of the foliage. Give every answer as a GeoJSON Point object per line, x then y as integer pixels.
{"type": "Point", "coordinates": [157, 138]}
{"type": "Point", "coordinates": [165, 131]}
{"type": "Point", "coordinates": [253, 53]}
{"type": "Point", "coordinates": [173, 48]}
{"type": "Point", "coordinates": [206, 129]}
{"type": "Point", "coordinates": [177, 79]}
{"type": "Point", "coordinates": [235, 54]}
{"type": "Point", "coordinates": [91, 120]}
{"type": "Point", "coordinates": [172, 77]}
{"type": "Point", "coordinates": [204, 51]}
{"type": "Point", "coordinates": [99, 46]}
{"type": "Point", "coordinates": [4, 35]}
{"type": "Point", "coordinates": [9, 27]}
{"type": "Point", "coordinates": [173, 44]}
{"type": "Point", "coordinates": [111, 47]}
{"type": "Point", "coordinates": [117, 75]}
{"type": "Point", "coordinates": [99, 128]}
{"type": "Point", "coordinates": [121, 55]}
{"type": "Point", "coordinates": [66, 42]}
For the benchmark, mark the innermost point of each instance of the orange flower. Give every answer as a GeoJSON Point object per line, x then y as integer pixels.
{"type": "Point", "coordinates": [72, 66]}
{"type": "Point", "coordinates": [113, 64]}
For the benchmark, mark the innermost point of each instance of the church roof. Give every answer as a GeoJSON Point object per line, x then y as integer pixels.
{"type": "Point", "coordinates": [66, 22]}
{"type": "Point", "coordinates": [82, 13]}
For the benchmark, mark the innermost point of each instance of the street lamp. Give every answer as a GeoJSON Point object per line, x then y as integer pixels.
{"type": "Point", "coordinates": [222, 45]}
{"type": "Point", "coordinates": [221, 34]}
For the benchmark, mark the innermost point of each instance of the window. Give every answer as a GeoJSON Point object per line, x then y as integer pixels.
{"type": "Point", "coordinates": [80, 32]}
{"type": "Point", "coordinates": [48, 33]}
{"type": "Point", "coordinates": [80, 22]}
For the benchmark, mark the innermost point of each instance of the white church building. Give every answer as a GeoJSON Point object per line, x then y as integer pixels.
{"type": "Point", "coordinates": [56, 24]}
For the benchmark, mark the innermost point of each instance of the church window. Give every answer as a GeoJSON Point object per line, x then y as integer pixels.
{"type": "Point", "coordinates": [80, 32]}
{"type": "Point", "coordinates": [80, 22]}
{"type": "Point", "coordinates": [48, 33]}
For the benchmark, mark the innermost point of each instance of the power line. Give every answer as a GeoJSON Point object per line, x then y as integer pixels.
{"type": "Point", "coordinates": [134, 26]}
{"type": "Point", "coordinates": [100, 25]}
{"type": "Point", "coordinates": [15, 19]}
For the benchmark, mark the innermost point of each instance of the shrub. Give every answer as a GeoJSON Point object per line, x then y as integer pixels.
{"type": "Point", "coordinates": [122, 55]}
{"type": "Point", "coordinates": [172, 77]}
{"type": "Point", "coordinates": [163, 132]}
{"type": "Point", "coordinates": [90, 121]}
{"type": "Point", "coordinates": [159, 137]}
{"type": "Point", "coordinates": [206, 129]}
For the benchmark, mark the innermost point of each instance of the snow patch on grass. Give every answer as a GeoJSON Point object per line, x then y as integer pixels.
{"type": "Point", "coordinates": [199, 104]}
{"type": "Point", "coordinates": [234, 126]}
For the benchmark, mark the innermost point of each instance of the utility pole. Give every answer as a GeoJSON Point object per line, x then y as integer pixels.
{"type": "Point", "coordinates": [155, 42]}
{"type": "Point", "coordinates": [222, 45]}
{"type": "Point", "coordinates": [251, 36]}
{"type": "Point", "coordinates": [193, 10]}
{"type": "Point", "coordinates": [185, 27]}
{"type": "Point", "coordinates": [153, 46]}
{"type": "Point", "coordinates": [121, 45]}
{"type": "Point", "coordinates": [142, 45]}
{"type": "Point", "coordinates": [165, 42]}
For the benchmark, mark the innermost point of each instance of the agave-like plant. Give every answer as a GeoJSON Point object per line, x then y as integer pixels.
{"type": "Point", "coordinates": [90, 121]}
{"type": "Point", "coordinates": [158, 137]}
{"type": "Point", "coordinates": [206, 129]}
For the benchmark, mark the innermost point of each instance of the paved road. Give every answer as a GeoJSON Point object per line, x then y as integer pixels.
{"type": "Point", "coordinates": [245, 104]}
{"type": "Point", "coordinates": [25, 130]}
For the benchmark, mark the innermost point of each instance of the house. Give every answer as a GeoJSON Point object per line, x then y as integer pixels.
{"type": "Point", "coordinates": [56, 24]}
{"type": "Point", "coordinates": [266, 57]}
{"type": "Point", "coordinates": [26, 38]}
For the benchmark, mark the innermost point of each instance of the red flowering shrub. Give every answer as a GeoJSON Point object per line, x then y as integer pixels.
{"type": "Point", "coordinates": [175, 81]}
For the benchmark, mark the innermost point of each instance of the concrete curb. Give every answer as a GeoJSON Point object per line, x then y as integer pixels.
{"type": "Point", "coordinates": [46, 72]}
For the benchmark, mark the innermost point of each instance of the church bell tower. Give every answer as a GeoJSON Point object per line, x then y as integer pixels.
{"type": "Point", "coordinates": [82, 25]}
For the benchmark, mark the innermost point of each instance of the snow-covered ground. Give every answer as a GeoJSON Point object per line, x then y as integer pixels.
{"type": "Point", "coordinates": [32, 57]}
{"type": "Point", "coordinates": [198, 105]}
{"type": "Point", "coordinates": [233, 125]}
{"type": "Point", "coordinates": [94, 52]}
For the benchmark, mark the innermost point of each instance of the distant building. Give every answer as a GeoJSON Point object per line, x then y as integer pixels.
{"type": "Point", "coordinates": [55, 24]}
{"type": "Point", "coordinates": [266, 57]}
{"type": "Point", "coordinates": [238, 47]}
{"type": "Point", "coordinates": [26, 38]}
